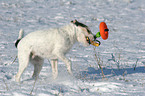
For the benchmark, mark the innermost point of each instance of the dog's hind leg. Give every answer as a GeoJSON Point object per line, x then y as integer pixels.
{"type": "Point", "coordinates": [54, 63]}
{"type": "Point", "coordinates": [37, 62]}
{"type": "Point", "coordinates": [23, 63]}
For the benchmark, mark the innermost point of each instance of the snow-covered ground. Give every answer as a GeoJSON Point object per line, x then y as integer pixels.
{"type": "Point", "coordinates": [122, 55]}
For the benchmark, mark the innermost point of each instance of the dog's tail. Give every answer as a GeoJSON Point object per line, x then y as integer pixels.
{"type": "Point", "coordinates": [21, 33]}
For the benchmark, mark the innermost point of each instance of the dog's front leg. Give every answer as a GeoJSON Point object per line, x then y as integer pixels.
{"type": "Point", "coordinates": [54, 63]}
{"type": "Point", "coordinates": [67, 62]}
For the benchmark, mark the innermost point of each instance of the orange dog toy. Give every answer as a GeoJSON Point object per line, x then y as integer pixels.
{"type": "Point", "coordinates": [103, 30]}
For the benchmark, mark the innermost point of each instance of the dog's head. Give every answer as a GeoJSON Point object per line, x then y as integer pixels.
{"type": "Point", "coordinates": [83, 33]}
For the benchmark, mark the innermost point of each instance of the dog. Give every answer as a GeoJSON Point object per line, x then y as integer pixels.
{"type": "Point", "coordinates": [50, 44]}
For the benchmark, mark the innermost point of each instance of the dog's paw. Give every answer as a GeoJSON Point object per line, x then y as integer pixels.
{"type": "Point", "coordinates": [55, 76]}
{"type": "Point", "coordinates": [17, 79]}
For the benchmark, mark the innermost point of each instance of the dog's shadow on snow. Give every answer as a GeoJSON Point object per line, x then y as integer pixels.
{"type": "Point", "coordinates": [94, 74]}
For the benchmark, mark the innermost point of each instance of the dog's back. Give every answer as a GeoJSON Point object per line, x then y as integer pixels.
{"type": "Point", "coordinates": [46, 43]}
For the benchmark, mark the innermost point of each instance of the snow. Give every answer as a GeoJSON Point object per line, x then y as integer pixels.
{"type": "Point", "coordinates": [122, 55]}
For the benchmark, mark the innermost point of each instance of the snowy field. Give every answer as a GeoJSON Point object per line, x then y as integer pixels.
{"type": "Point", "coordinates": [122, 55]}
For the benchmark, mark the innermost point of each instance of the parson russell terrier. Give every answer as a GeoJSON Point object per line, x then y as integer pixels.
{"type": "Point", "coordinates": [51, 44]}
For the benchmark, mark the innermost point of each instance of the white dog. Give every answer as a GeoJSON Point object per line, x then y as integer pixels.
{"type": "Point", "coordinates": [50, 44]}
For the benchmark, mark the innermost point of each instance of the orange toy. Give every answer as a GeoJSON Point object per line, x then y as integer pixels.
{"type": "Point", "coordinates": [103, 30]}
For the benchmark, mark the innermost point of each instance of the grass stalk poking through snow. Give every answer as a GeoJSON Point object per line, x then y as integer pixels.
{"type": "Point", "coordinates": [136, 64]}
{"type": "Point", "coordinates": [6, 85]}
{"type": "Point", "coordinates": [14, 60]}
{"type": "Point", "coordinates": [33, 86]}
{"type": "Point", "coordinates": [99, 62]}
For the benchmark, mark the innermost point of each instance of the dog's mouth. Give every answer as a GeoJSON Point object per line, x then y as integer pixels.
{"type": "Point", "coordinates": [92, 42]}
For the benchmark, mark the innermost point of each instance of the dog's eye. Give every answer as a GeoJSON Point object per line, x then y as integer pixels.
{"type": "Point", "coordinates": [87, 38]}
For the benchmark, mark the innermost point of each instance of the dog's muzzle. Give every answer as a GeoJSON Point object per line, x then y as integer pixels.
{"type": "Point", "coordinates": [90, 42]}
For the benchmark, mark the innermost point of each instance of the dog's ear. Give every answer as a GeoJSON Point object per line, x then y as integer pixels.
{"type": "Point", "coordinates": [79, 24]}
{"type": "Point", "coordinates": [74, 21]}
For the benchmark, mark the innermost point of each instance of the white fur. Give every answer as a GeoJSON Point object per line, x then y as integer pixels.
{"type": "Point", "coordinates": [21, 33]}
{"type": "Point", "coordinates": [50, 44]}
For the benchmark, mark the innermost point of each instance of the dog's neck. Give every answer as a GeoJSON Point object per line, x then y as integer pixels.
{"type": "Point", "coordinates": [70, 30]}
